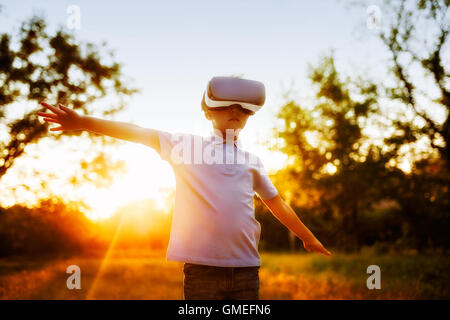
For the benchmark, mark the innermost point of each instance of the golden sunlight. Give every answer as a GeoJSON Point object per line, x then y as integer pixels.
{"type": "Point", "coordinates": [147, 177]}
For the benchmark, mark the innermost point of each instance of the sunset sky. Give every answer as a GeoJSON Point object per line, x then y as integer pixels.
{"type": "Point", "coordinates": [170, 49]}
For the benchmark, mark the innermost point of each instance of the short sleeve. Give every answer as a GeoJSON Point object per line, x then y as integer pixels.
{"type": "Point", "coordinates": [262, 184]}
{"type": "Point", "coordinates": [167, 141]}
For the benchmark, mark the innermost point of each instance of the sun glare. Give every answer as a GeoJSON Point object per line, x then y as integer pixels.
{"type": "Point", "coordinates": [147, 177]}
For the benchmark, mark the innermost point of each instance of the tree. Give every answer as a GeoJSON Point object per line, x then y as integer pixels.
{"type": "Point", "coordinates": [416, 35]}
{"type": "Point", "coordinates": [333, 165]}
{"type": "Point", "coordinates": [364, 172]}
{"type": "Point", "coordinates": [52, 67]}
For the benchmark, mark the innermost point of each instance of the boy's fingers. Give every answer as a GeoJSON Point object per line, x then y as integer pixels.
{"type": "Point", "coordinates": [47, 115]}
{"type": "Point", "coordinates": [55, 110]}
{"type": "Point", "coordinates": [51, 120]}
{"type": "Point", "coordinates": [64, 108]}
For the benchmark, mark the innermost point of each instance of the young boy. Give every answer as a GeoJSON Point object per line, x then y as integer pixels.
{"type": "Point", "coordinates": [214, 230]}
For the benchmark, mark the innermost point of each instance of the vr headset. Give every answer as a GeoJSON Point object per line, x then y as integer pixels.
{"type": "Point", "coordinates": [222, 92]}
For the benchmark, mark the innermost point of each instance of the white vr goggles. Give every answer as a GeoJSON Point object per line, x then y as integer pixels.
{"type": "Point", "coordinates": [226, 91]}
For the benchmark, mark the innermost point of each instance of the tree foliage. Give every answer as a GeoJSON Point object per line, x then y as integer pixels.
{"type": "Point", "coordinates": [416, 35]}
{"type": "Point", "coordinates": [338, 178]}
{"type": "Point", "coordinates": [332, 164]}
{"type": "Point", "coordinates": [40, 66]}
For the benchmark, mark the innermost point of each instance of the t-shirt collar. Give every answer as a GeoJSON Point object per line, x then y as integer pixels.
{"type": "Point", "coordinates": [217, 139]}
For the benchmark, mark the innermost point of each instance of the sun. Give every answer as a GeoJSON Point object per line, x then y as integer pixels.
{"type": "Point", "coordinates": [147, 177]}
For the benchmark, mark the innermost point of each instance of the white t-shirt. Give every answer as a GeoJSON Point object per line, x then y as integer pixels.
{"type": "Point", "coordinates": [214, 219]}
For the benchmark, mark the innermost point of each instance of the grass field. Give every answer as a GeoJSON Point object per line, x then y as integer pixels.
{"type": "Point", "coordinates": [147, 275]}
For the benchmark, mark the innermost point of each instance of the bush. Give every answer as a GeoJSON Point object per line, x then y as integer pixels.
{"type": "Point", "coordinates": [52, 227]}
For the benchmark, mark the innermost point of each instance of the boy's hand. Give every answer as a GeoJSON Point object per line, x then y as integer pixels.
{"type": "Point", "coordinates": [316, 246]}
{"type": "Point", "coordinates": [65, 117]}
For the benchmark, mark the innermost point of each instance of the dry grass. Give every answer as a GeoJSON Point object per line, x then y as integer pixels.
{"type": "Point", "coordinates": [147, 275]}
{"type": "Point", "coordinates": [343, 276]}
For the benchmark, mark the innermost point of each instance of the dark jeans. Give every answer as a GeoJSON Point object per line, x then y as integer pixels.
{"type": "Point", "coordinates": [220, 283]}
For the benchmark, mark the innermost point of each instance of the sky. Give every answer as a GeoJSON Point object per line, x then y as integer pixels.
{"type": "Point", "coordinates": [170, 49]}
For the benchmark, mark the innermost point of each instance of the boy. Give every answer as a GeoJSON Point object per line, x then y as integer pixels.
{"type": "Point", "coordinates": [214, 231]}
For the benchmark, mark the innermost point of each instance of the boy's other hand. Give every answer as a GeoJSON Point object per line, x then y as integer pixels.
{"type": "Point", "coordinates": [65, 117]}
{"type": "Point", "coordinates": [316, 246]}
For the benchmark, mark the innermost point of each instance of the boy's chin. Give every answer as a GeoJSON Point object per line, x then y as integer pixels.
{"type": "Point", "coordinates": [234, 125]}
{"type": "Point", "coordinates": [229, 126]}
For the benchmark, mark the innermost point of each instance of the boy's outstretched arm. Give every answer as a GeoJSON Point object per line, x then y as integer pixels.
{"type": "Point", "coordinates": [68, 119]}
{"type": "Point", "coordinates": [283, 212]}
